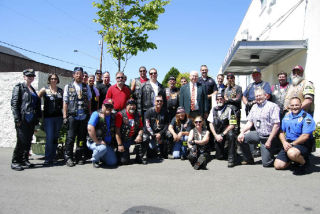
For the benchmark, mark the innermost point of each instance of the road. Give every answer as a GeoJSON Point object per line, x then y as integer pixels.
{"type": "Point", "coordinates": [170, 186]}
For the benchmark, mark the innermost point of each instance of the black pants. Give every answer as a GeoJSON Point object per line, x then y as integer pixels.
{"type": "Point", "coordinates": [24, 137]}
{"type": "Point", "coordinates": [196, 158]}
{"type": "Point", "coordinates": [222, 153]}
{"type": "Point", "coordinates": [139, 150]}
{"type": "Point", "coordinates": [76, 128]}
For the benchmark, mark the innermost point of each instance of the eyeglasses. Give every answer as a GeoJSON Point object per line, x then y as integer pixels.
{"type": "Point", "coordinates": [142, 71]}
{"type": "Point", "coordinates": [230, 78]}
{"type": "Point", "coordinates": [120, 77]}
{"type": "Point", "coordinates": [159, 101]}
{"type": "Point", "coordinates": [153, 73]}
{"type": "Point", "coordinates": [205, 70]}
{"type": "Point", "coordinates": [98, 73]}
{"type": "Point", "coordinates": [196, 122]}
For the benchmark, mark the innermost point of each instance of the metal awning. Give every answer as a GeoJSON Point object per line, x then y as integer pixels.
{"type": "Point", "coordinates": [247, 55]}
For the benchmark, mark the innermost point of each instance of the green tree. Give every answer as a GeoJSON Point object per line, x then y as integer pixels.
{"type": "Point", "coordinates": [172, 72]}
{"type": "Point", "coordinates": [125, 25]}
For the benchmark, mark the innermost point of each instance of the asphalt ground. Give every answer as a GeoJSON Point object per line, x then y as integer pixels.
{"type": "Point", "coordinates": [168, 186]}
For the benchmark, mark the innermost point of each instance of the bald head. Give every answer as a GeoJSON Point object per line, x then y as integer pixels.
{"type": "Point", "coordinates": [193, 76]}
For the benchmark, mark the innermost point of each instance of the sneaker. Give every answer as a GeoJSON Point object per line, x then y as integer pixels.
{"type": "Point", "coordinates": [16, 166]}
{"type": "Point", "coordinates": [70, 163]}
{"type": "Point", "coordinates": [95, 164]}
{"type": "Point", "coordinates": [170, 157]}
{"type": "Point", "coordinates": [144, 161]}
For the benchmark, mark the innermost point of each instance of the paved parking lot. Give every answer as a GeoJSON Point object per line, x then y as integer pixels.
{"type": "Point", "coordinates": [170, 186]}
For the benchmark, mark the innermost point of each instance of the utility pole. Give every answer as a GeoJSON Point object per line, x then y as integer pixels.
{"type": "Point", "coordinates": [101, 53]}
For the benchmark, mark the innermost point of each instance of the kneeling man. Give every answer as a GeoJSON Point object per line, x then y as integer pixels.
{"type": "Point", "coordinates": [296, 135]}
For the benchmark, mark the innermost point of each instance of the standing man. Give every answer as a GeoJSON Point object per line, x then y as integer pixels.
{"type": "Point", "coordinates": [264, 116]}
{"type": "Point", "coordinates": [150, 90]}
{"type": "Point", "coordinates": [301, 88]}
{"type": "Point", "coordinates": [119, 92]}
{"type": "Point", "coordinates": [183, 81]}
{"type": "Point", "coordinates": [233, 95]}
{"type": "Point", "coordinates": [248, 96]}
{"type": "Point", "coordinates": [76, 110]}
{"type": "Point", "coordinates": [25, 106]}
{"type": "Point", "coordinates": [136, 86]}
{"type": "Point", "coordinates": [95, 94]}
{"type": "Point", "coordinates": [208, 83]}
{"type": "Point", "coordinates": [98, 77]}
{"type": "Point", "coordinates": [279, 92]}
{"type": "Point", "coordinates": [156, 126]}
{"type": "Point", "coordinates": [193, 97]}
{"type": "Point", "coordinates": [296, 137]}
{"type": "Point", "coordinates": [172, 95]}
{"type": "Point", "coordinates": [103, 87]}
{"type": "Point", "coordinates": [221, 86]}
{"type": "Point", "coordinates": [129, 130]}
{"type": "Point", "coordinates": [223, 125]}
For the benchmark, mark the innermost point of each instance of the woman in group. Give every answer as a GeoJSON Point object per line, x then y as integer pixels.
{"type": "Point", "coordinates": [52, 96]}
{"type": "Point", "coordinates": [25, 105]}
{"type": "Point", "coordinates": [180, 127]}
{"type": "Point", "coordinates": [198, 145]}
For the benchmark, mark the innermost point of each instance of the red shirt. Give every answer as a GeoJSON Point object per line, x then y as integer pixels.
{"type": "Point", "coordinates": [143, 80]}
{"type": "Point", "coordinates": [131, 122]}
{"type": "Point", "coordinates": [119, 96]}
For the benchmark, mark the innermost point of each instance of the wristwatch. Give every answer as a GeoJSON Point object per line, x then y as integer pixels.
{"type": "Point", "coordinates": [222, 135]}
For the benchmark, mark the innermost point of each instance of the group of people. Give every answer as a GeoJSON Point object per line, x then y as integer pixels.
{"type": "Point", "coordinates": [176, 123]}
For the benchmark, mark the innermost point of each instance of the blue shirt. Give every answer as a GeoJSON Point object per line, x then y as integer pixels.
{"type": "Point", "coordinates": [94, 119]}
{"type": "Point", "coordinates": [249, 92]}
{"type": "Point", "coordinates": [296, 125]}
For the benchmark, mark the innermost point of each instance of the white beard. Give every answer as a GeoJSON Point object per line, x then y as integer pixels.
{"type": "Point", "coordinates": [296, 80]}
{"type": "Point", "coordinates": [219, 104]}
{"type": "Point", "coordinates": [131, 111]}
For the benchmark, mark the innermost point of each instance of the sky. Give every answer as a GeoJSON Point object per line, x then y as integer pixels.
{"type": "Point", "coordinates": [191, 33]}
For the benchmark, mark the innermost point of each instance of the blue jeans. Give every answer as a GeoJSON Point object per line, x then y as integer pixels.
{"type": "Point", "coordinates": [102, 152]}
{"type": "Point", "coordinates": [52, 126]}
{"type": "Point", "coordinates": [179, 149]}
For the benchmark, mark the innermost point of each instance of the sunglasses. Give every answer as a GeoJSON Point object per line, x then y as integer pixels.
{"type": "Point", "coordinates": [142, 71]}
{"type": "Point", "coordinates": [120, 77]}
{"type": "Point", "coordinates": [230, 78]}
{"type": "Point", "coordinates": [205, 70]}
{"type": "Point", "coordinates": [153, 73]}
{"type": "Point", "coordinates": [108, 105]}
{"type": "Point", "coordinates": [159, 101]}
{"type": "Point", "coordinates": [196, 122]}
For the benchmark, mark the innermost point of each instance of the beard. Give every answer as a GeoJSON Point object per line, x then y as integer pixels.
{"type": "Point", "coordinates": [296, 80]}
{"type": "Point", "coordinates": [131, 111]}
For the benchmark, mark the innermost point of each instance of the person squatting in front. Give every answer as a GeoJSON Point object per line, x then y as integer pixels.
{"type": "Point", "coordinates": [129, 131]}
{"type": "Point", "coordinates": [223, 125]}
{"type": "Point", "coordinates": [25, 106]}
{"type": "Point", "coordinates": [101, 135]}
{"type": "Point", "coordinates": [198, 145]}
{"type": "Point", "coordinates": [155, 129]}
{"type": "Point", "coordinates": [76, 110]}
{"type": "Point", "coordinates": [180, 127]}
{"type": "Point", "coordinates": [296, 137]}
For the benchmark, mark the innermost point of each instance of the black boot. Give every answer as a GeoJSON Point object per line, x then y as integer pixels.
{"type": "Point", "coordinates": [16, 166]}
{"type": "Point", "coordinates": [25, 161]}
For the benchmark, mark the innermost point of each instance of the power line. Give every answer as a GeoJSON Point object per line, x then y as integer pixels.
{"type": "Point", "coordinates": [60, 60]}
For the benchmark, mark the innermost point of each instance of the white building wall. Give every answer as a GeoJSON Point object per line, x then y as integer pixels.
{"type": "Point", "coordinates": [285, 20]}
{"type": "Point", "coordinates": [8, 133]}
